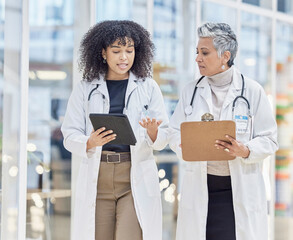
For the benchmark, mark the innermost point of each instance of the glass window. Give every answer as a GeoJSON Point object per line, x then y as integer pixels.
{"type": "Point", "coordinates": [285, 6]}
{"type": "Point", "coordinates": [135, 10]}
{"type": "Point", "coordinates": [50, 84]}
{"type": "Point", "coordinates": [2, 8]}
{"type": "Point", "coordinates": [260, 3]}
{"type": "Point", "coordinates": [224, 14]}
{"type": "Point", "coordinates": [255, 48]}
{"type": "Point", "coordinates": [284, 164]}
{"type": "Point", "coordinates": [51, 13]}
{"type": "Point", "coordinates": [174, 65]}
{"type": "Point", "coordinates": [172, 49]}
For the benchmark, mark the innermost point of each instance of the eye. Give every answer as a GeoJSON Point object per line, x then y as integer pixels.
{"type": "Point", "coordinates": [129, 51]}
{"type": "Point", "coordinates": [115, 51]}
{"type": "Point", "coordinates": [205, 53]}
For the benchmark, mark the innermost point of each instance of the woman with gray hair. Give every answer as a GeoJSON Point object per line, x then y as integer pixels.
{"type": "Point", "coordinates": [224, 200]}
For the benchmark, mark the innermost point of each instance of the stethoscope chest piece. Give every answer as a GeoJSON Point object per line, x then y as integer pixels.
{"type": "Point", "coordinates": [188, 110]}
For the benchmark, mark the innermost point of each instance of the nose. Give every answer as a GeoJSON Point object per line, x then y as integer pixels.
{"type": "Point", "coordinates": [198, 58]}
{"type": "Point", "coordinates": [123, 56]}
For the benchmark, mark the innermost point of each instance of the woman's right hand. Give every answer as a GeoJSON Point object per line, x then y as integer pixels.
{"type": "Point", "coordinates": [100, 138]}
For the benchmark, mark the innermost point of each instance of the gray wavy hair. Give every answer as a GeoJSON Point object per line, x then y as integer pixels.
{"type": "Point", "coordinates": [224, 38]}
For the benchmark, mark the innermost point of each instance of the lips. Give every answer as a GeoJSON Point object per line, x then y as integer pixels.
{"type": "Point", "coordinates": [122, 65]}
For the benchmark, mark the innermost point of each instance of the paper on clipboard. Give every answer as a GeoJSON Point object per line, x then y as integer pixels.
{"type": "Point", "coordinates": [198, 140]}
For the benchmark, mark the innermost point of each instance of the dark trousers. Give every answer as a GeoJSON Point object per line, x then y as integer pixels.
{"type": "Point", "coordinates": [220, 221]}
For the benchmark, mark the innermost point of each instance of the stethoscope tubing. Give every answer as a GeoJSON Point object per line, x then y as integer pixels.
{"type": "Point", "coordinates": [126, 107]}
{"type": "Point", "coordinates": [189, 108]}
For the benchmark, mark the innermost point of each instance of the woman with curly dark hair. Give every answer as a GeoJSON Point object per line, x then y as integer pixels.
{"type": "Point", "coordinates": [117, 191]}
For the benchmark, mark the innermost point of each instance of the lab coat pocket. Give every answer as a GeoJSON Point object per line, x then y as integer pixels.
{"type": "Point", "coordinates": [187, 191]}
{"type": "Point", "coordinates": [81, 184]}
{"type": "Point", "coordinates": [151, 177]}
{"type": "Point", "coordinates": [253, 193]}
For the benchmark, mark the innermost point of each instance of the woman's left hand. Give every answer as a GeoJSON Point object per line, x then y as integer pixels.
{"type": "Point", "coordinates": [234, 148]}
{"type": "Point", "coordinates": [151, 125]}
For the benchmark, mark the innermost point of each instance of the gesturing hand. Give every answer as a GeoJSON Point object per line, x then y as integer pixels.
{"type": "Point", "coordinates": [235, 148]}
{"type": "Point", "coordinates": [151, 125]}
{"type": "Point", "coordinates": [100, 138]}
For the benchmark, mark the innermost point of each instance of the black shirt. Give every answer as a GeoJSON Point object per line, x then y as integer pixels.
{"type": "Point", "coordinates": [117, 91]}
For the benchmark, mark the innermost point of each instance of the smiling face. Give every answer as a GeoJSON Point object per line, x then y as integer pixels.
{"type": "Point", "coordinates": [208, 61]}
{"type": "Point", "coordinates": [119, 59]}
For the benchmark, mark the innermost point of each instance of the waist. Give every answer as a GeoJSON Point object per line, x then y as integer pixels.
{"type": "Point", "coordinates": [115, 157]}
{"type": "Point", "coordinates": [219, 183]}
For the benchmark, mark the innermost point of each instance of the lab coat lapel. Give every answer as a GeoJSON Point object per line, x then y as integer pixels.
{"type": "Point", "coordinates": [234, 90]}
{"type": "Point", "coordinates": [102, 87]}
{"type": "Point", "coordinates": [130, 87]}
{"type": "Point", "coordinates": [206, 94]}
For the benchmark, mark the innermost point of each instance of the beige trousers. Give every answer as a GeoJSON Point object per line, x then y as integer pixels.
{"type": "Point", "coordinates": [115, 214]}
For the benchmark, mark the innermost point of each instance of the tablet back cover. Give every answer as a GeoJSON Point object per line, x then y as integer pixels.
{"type": "Point", "coordinates": [198, 140]}
{"type": "Point", "coordinates": [120, 125]}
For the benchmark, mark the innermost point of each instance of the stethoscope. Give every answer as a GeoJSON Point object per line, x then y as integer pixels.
{"type": "Point", "coordinates": [145, 107]}
{"type": "Point", "coordinates": [189, 108]}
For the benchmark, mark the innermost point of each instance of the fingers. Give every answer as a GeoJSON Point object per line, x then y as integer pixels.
{"type": "Point", "coordinates": [100, 130]}
{"type": "Point", "coordinates": [231, 139]}
{"type": "Point", "coordinates": [108, 138]}
{"type": "Point", "coordinates": [223, 147]}
{"type": "Point", "coordinates": [159, 122]}
{"type": "Point", "coordinates": [233, 147]}
{"type": "Point", "coordinates": [148, 121]}
{"type": "Point", "coordinates": [102, 133]}
{"type": "Point", "coordinates": [105, 133]}
{"type": "Point", "coordinates": [227, 147]}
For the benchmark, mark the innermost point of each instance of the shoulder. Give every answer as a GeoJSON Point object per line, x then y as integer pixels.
{"type": "Point", "coordinates": [188, 88]}
{"type": "Point", "coordinates": [251, 85]}
{"type": "Point", "coordinates": [147, 83]}
{"type": "Point", "coordinates": [81, 88]}
{"type": "Point", "coordinates": [81, 84]}
{"type": "Point", "coordinates": [190, 85]}
{"type": "Point", "coordinates": [254, 87]}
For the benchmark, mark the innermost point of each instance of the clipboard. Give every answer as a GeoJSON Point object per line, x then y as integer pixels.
{"type": "Point", "coordinates": [198, 140]}
{"type": "Point", "coordinates": [120, 125]}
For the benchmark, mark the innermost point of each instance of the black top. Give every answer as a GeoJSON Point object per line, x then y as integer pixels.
{"type": "Point", "coordinates": [117, 91]}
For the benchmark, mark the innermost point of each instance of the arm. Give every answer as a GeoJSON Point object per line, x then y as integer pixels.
{"type": "Point", "coordinates": [264, 140]}
{"type": "Point", "coordinates": [74, 127]}
{"type": "Point", "coordinates": [174, 129]}
{"type": "Point", "coordinates": [74, 124]}
{"type": "Point", "coordinates": [157, 127]}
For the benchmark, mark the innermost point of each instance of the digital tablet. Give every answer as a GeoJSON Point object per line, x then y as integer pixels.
{"type": "Point", "coordinates": [120, 125]}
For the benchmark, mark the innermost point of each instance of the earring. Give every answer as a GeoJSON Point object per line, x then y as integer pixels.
{"type": "Point", "coordinates": [223, 67]}
{"type": "Point", "coordinates": [104, 60]}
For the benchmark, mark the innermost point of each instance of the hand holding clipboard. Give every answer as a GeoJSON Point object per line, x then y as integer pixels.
{"type": "Point", "coordinates": [198, 140]}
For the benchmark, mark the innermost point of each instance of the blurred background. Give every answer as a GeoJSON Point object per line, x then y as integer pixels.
{"type": "Point", "coordinates": [34, 104]}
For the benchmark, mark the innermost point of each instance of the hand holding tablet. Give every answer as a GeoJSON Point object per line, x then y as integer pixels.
{"type": "Point", "coordinates": [118, 123]}
{"type": "Point", "coordinates": [100, 137]}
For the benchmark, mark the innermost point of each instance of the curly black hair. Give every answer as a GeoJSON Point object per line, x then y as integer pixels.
{"type": "Point", "coordinates": [105, 33]}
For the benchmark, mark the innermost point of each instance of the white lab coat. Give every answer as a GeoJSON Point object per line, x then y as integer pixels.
{"type": "Point", "coordinates": [76, 129]}
{"type": "Point", "coordinates": [249, 197]}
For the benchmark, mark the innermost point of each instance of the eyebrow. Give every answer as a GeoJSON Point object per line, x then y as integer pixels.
{"type": "Point", "coordinates": [117, 46]}
{"type": "Point", "coordinates": [203, 48]}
